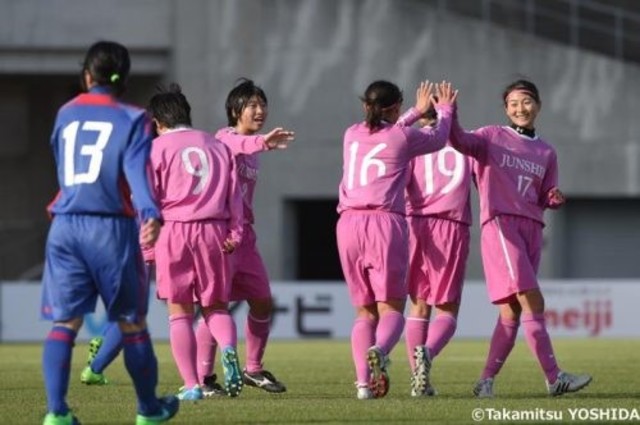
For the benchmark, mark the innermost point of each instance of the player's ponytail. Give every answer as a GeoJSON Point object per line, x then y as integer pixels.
{"type": "Point", "coordinates": [108, 63]}
{"type": "Point", "coordinates": [378, 99]}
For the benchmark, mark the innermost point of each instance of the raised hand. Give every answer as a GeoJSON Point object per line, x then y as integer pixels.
{"type": "Point", "coordinates": [424, 96]}
{"type": "Point", "coordinates": [446, 95]}
{"type": "Point", "coordinates": [279, 138]}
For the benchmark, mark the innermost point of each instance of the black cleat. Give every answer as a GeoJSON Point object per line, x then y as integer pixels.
{"type": "Point", "coordinates": [264, 380]}
{"type": "Point", "coordinates": [210, 388]}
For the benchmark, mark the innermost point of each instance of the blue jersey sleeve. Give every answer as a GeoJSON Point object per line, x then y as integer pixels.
{"type": "Point", "coordinates": [135, 169]}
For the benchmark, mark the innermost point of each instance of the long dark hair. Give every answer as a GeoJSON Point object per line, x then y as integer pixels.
{"type": "Point", "coordinates": [378, 97]}
{"type": "Point", "coordinates": [108, 63]}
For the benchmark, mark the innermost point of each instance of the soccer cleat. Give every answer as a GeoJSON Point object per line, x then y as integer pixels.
{"type": "Point", "coordinates": [53, 419]}
{"type": "Point", "coordinates": [94, 347]}
{"type": "Point", "coordinates": [232, 373]}
{"type": "Point", "coordinates": [568, 383]}
{"type": "Point", "coordinates": [211, 388]}
{"type": "Point", "coordinates": [89, 377]}
{"type": "Point", "coordinates": [420, 382]}
{"type": "Point", "coordinates": [169, 406]}
{"type": "Point", "coordinates": [484, 388]}
{"type": "Point", "coordinates": [363, 392]}
{"type": "Point", "coordinates": [379, 380]}
{"type": "Point", "coordinates": [190, 394]}
{"type": "Point", "coordinates": [265, 380]}
{"type": "Point", "coordinates": [430, 391]}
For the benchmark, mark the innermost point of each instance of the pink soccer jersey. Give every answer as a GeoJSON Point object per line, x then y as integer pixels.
{"type": "Point", "coordinates": [376, 165]}
{"type": "Point", "coordinates": [439, 211]}
{"type": "Point", "coordinates": [194, 179]}
{"type": "Point", "coordinates": [250, 278]}
{"type": "Point", "coordinates": [514, 172]}
{"type": "Point", "coordinates": [440, 186]}
{"type": "Point", "coordinates": [440, 181]}
{"type": "Point", "coordinates": [245, 149]}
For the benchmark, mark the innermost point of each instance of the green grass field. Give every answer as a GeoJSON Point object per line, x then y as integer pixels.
{"type": "Point", "coordinates": [319, 376]}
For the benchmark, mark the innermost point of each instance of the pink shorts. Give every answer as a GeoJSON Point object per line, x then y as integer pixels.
{"type": "Point", "coordinates": [374, 254]}
{"type": "Point", "coordinates": [250, 279]}
{"type": "Point", "coordinates": [511, 247]}
{"type": "Point", "coordinates": [190, 265]}
{"type": "Point", "coordinates": [438, 251]}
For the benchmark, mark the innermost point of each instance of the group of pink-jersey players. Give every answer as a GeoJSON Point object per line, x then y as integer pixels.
{"type": "Point", "coordinates": [404, 230]}
{"type": "Point", "coordinates": [189, 274]}
{"type": "Point", "coordinates": [204, 186]}
{"type": "Point", "coordinates": [404, 204]}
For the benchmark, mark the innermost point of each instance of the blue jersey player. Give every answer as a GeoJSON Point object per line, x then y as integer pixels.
{"type": "Point", "coordinates": [101, 147]}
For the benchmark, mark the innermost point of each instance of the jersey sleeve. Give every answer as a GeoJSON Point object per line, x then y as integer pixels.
{"type": "Point", "coordinates": [410, 117]}
{"type": "Point", "coordinates": [550, 181]}
{"type": "Point", "coordinates": [53, 140]}
{"type": "Point", "coordinates": [54, 149]}
{"type": "Point", "coordinates": [154, 175]}
{"type": "Point", "coordinates": [136, 159]}
{"type": "Point", "coordinates": [430, 139]}
{"type": "Point", "coordinates": [472, 144]}
{"type": "Point", "coordinates": [242, 143]}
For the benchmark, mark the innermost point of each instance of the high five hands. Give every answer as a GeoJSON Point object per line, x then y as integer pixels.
{"type": "Point", "coordinates": [444, 95]}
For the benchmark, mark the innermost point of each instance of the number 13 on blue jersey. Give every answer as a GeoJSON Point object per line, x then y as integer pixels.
{"type": "Point", "coordinates": [94, 151]}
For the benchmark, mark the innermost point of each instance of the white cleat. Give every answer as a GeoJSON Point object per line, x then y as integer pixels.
{"type": "Point", "coordinates": [363, 392]}
{"type": "Point", "coordinates": [420, 380]}
{"type": "Point", "coordinates": [379, 380]}
{"type": "Point", "coordinates": [484, 388]}
{"type": "Point", "coordinates": [568, 383]}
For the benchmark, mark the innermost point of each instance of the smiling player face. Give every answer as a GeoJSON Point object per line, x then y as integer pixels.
{"type": "Point", "coordinates": [521, 109]}
{"type": "Point", "coordinates": [253, 116]}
